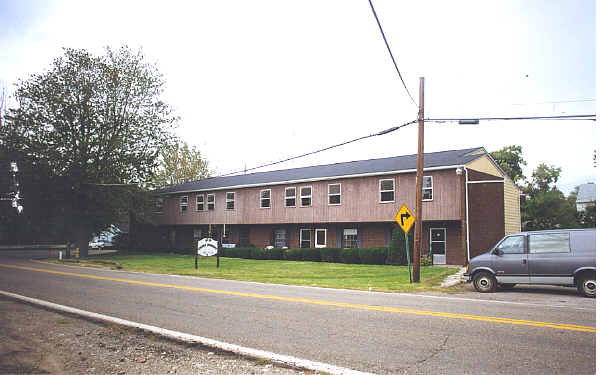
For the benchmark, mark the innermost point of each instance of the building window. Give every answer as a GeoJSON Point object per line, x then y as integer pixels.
{"type": "Point", "coordinates": [306, 196]}
{"type": "Point", "coordinates": [427, 188]}
{"type": "Point", "coordinates": [210, 201]}
{"type": "Point", "coordinates": [350, 238]}
{"type": "Point", "coordinates": [199, 202]}
{"type": "Point", "coordinates": [158, 205]}
{"type": "Point", "coordinates": [386, 191]}
{"type": "Point", "coordinates": [280, 238]}
{"type": "Point", "coordinates": [183, 204]}
{"type": "Point", "coordinates": [334, 193]}
{"type": "Point", "coordinates": [265, 198]}
{"type": "Point", "coordinates": [304, 238]}
{"type": "Point", "coordinates": [230, 201]}
{"type": "Point", "coordinates": [290, 197]}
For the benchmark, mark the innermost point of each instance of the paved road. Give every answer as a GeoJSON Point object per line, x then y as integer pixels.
{"type": "Point", "coordinates": [502, 333]}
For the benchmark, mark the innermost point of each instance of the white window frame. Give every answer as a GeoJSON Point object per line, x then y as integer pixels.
{"type": "Point", "coordinates": [260, 198]}
{"type": "Point", "coordinates": [227, 200]}
{"type": "Point", "coordinates": [286, 197]}
{"type": "Point", "coordinates": [393, 190]}
{"type": "Point", "coordinates": [429, 188]}
{"type": "Point", "coordinates": [329, 195]}
{"type": "Point", "coordinates": [214, 202]}
{"type": "Point", "coordinates": [344, 237]}
{"type": "Point", "coordinates": [309, 237]}
{"type": "Point", "coordinates": [183, 203]}
{"type": "Point", "coordinates": [200, 200]}
{"type": "Point", "coordinates": [318, 246]}
{"type": "Point", "coordinates": [306, 196]}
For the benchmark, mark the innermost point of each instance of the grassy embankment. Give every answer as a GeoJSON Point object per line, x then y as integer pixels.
{"type": "Point", "coordinates": [321, 274]}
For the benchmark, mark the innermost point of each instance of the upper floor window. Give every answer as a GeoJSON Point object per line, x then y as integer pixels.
{"type": "Point", "coordinates": [158, 205]}
{"type": "Point", "coordinates": [230, 201]}
{"type": "Point", "coordinates": [427, 188]}
{"type": "Point", "coordinates": [265, 198]}
{"type": "Point", "coordinates": [290, 197]}
{"type": "Point", "coordinates": [200, 202]}
{"type": "Point", "coordinates": [306, 196]}
{"type": "Point", "coordinates": [183, 204]}
{"type": "Point", "coordinates": [386, 190]}
{"type": "Point", "coordinates": [210, 201]}
{"type": "Point", "coordinates": [334, 193]}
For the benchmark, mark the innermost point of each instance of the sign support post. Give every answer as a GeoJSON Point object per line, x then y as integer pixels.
{"type": "Point", "coordinates": [405, 219]}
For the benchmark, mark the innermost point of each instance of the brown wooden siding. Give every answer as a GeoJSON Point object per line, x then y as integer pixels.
{"type": "Point", "coordinates": [360, 203]}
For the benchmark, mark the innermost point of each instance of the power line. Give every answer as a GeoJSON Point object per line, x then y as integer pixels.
{"type": "Point", "coordinates": [559, 102]}
{"type": "Point", "coordinates": [475, 120]}
{"type": "Point", "coordinates": [390, 51]}
{"type": "Point", "coordinates": [320, 150]}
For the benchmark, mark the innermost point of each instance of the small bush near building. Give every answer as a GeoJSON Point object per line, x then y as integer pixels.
{"type": "Point", "coordinates": [374, 255]}
{"type": "Point", "coordinates": [311, 255]}
{"type": "Point", "coordinates": [397, 250]}
{"type": "Point", "coordinates": [292, 254]}
{"type": "Point", "coordinates": [276, 254]}
{"type": "Point", "coordinates": [260, 254]}
{"type": "Point", "coordinates": [350, 256]}
{"type": "Point", "coordinates": [330, 254]}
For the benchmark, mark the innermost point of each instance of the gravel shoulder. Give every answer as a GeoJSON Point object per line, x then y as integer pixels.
{"type": "Point", "coordinates": [34, 340]}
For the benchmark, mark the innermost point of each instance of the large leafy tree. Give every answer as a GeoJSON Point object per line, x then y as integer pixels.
{"type": "Point", "coordinates": [90, 128]}
{"type": "Point", "coordinates": [510, 159]}
{"type": "Point", "coordinates": [179, 163]}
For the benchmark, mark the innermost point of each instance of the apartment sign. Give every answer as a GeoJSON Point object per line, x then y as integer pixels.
{"type": "Point", "coordinates": [207, 247]}
{"type": "Point", "coordinates": [405, 218]}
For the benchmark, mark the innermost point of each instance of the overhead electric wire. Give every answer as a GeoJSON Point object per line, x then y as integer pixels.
{"type": "Point", "coordinates": [560, 117]}
{"type": "Point", "coordinates": [558, 102]}
{"type": "Point", "coordinates": [390, 51]}
{"type": "Point", "coordinates": [320, 150]}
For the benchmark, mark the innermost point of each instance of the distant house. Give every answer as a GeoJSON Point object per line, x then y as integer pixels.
{"type": "Point", "coordinates": [468, 205]}
{"type": "Point", "coordinates": [586, 196]}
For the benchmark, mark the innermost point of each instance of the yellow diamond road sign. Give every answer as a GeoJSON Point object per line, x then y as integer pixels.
{"type": "Point", "coordinates": [405, 218]}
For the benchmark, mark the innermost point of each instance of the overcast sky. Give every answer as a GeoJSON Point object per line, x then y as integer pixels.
{"type": "Point", "coordinates": [259, 81]}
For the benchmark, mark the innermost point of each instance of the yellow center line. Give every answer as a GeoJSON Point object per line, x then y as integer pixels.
{"type": "Point", "coordinates": [570, 327]}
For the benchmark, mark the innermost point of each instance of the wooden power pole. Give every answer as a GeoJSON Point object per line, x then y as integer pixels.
{"type": "Point", "coordinates": [419, 189]}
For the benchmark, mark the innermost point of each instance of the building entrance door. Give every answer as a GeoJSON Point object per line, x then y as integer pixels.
{"type": "Point", "coordinates": [437, 244]}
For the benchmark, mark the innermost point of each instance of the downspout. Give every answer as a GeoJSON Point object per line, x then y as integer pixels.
{"type": "Point", "coordinates": [467, 211]}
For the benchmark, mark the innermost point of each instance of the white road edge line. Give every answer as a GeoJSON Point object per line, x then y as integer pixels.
{"type": "Point", "coordinates": [180, 336]}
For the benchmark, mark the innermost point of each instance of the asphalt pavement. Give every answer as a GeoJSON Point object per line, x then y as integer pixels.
{"type": "Point", "coordinates": [525, 330]}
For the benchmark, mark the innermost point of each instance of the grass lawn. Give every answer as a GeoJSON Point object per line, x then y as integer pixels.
{"type": "Point", "coordinates": [321, 274]}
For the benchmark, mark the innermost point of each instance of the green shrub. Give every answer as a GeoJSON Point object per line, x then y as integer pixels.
{"type": "Point", "coordinates": [259, 254]}
{"type": "Point", "coordinates": [373, 255]}
{"type": "Point", "coordinates": [292, 254]}
{"type": "Point", "coordinates": [330, 254]}
{"type": "Point", "coordinates": [311, 255]}
{"type": "Point", "coordinates": [397, 250]}
{"type": "Point", "coordinates": [350, 256]}
{"type": "Point", "coordinates": [426, 261]}
{"type": "Point", "coordinates": [276, 254]}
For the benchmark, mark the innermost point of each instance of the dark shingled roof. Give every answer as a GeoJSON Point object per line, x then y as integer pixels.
{"type": "Point", "coordinates": [341, 170]}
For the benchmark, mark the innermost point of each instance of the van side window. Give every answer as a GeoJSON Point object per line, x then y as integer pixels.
{"type": "Point", "coordinates": [513, 245]}
{"type": "Point", "coordinates": [549, 243]}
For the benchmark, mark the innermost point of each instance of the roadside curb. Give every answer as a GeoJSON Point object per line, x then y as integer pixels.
{"type": "Point", "coordinates": [193, 339]}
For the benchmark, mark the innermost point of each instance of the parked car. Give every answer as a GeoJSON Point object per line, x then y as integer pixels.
{"type": "Point", "coordinates": [96, 244]}
{"type": "Point", "coordinates": [554, 257]}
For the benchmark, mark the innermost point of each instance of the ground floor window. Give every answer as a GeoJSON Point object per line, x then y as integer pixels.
{"type": "Point", "coordinates": [350, 238]}
{"type": "Point", "coordinates": [320, 237]}
{"type": "Point", "coordinates": [304, 238]}
{"type": "Point", "coordinates": [280, 238]}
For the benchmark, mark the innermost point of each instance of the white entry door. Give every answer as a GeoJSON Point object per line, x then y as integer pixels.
{"type": "Point", "coordinates": [320, 238]}
{"type": "Point", "coordinates": [437, 244]}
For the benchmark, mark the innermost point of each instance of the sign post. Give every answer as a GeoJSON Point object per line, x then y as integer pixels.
{"type": "Point", "coordinates": [406, 219]}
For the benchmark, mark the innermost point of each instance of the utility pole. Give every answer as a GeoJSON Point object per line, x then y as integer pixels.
{"type": "Point", "coordinates": [419, 189]}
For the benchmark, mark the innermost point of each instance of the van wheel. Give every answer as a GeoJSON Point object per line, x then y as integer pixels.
{"type": "Point", "coordinates": [586, 285]}
{"type": "Point", "coordinates": [485, 282]}
{"type": "Point", "coordinates": [506, 286]}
